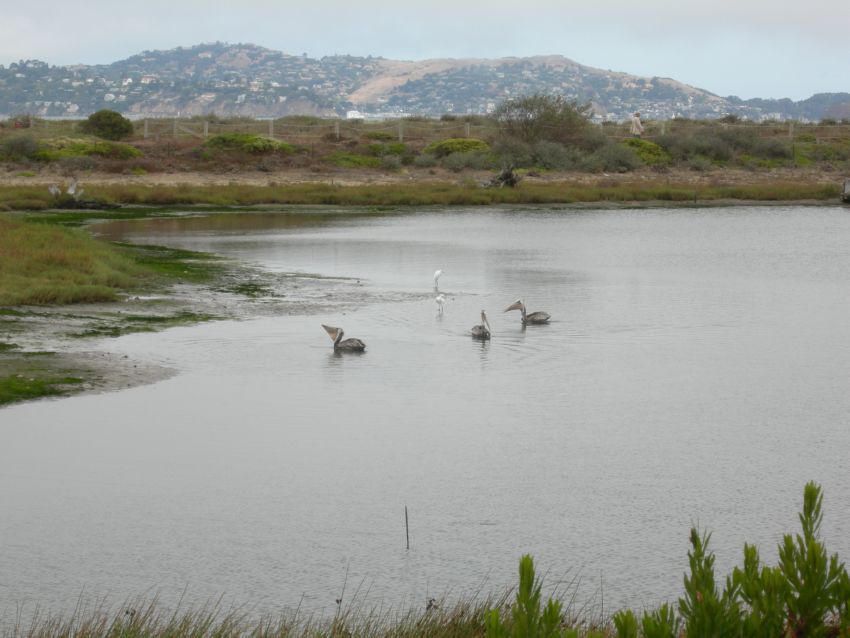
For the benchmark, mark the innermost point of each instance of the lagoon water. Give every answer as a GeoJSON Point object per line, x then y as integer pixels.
{"type": "Point", "coordinates": [696, 371]}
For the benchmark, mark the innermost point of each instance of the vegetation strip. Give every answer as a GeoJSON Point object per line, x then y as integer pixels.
{"type": "Point", "coordinates": [422, 194]}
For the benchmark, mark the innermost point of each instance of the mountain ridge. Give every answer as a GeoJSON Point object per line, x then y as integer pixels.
{"type": "Point", "coordinates": [246, 79]}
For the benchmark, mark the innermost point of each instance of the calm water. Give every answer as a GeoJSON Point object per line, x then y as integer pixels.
{"type": "Point", "coordinates": [696, 371]}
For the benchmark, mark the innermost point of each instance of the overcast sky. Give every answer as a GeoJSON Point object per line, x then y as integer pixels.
{"type": "Point", "coordinates": [749, 48]}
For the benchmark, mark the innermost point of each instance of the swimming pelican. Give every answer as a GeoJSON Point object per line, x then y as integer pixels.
{"type": "Point", "coordinates": [441, 299]}
{"type": "Point", "coordinates": [482, 331]}
{"type": "Point", "coordinates": [534, 318]}
{"type": "Point", "coordinates": [349, 345]}
{"type": "Point", "coordinates": [437, 275]}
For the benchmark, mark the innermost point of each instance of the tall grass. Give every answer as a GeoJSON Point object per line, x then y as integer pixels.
{"type": "Point", "coordinates": [42, 264]}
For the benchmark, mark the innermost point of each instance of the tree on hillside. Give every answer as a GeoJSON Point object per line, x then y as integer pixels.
{"type": "Point", "coordinates": [540, 117]}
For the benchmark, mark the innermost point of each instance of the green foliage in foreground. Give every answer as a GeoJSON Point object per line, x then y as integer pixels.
{"type": "Point", "coordinates": [444, 148]}
{"type": "Point", "coordinates": [806, 595]}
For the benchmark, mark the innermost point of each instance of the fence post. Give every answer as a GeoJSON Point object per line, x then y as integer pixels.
{"type": "Point", "coordinates": [467, 129]}
{"type": "Point", "coordinates": [336, 130]}
{"type": "Point", "coordinates": [206, 129]}
{"type": "Point", "coordinates": [401, 131]}
{"type": "Point", "coordinates": [271, 127]}
{"type": "Point", "coordinates": [146, 129]}
{"type": "Point", "coordinates": [791, 130]}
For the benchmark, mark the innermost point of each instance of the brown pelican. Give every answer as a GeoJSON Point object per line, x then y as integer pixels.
{"type": "Point", "coordinates": [534, 318]}
{"type": "Point", "coordinates": [482, 331]}
{"type": "Point", "coordinates": [349, 345]}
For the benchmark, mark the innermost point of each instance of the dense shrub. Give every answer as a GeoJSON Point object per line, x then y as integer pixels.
{"type": "Point", "coordinates": [395, 148]}
{"type": "Point", "coordinates": [248, 143]}
{"type": "Point", "coordinates": [472, 159]}
{"type": "Point", "coordinates": [514, 152]}
{"type": "Point", "coordinates": [351, 160]}
{"type": "Point", "coordinates": [426, 160]}
{"type": "Point", "coordinates": [650, 153]}
{"type": "Point", "coordinates": [444, 148]}
{"type": "Point", "coordinates": [380, 136]}
{"type": "Point", "coordinates": [773, 148]}
{"type": "Point", "coordinates": [391, 162]}
{"type": "Point", "coordinates": [554, 156]}
{"type": "Point", "coordinates": [614, 158]}
{"type": "Point", "coordinates": [65, 148]}
{"type": "Point", "coordinates": [110, 125]}
{"type": "Point", "coordinates": [18, 147]}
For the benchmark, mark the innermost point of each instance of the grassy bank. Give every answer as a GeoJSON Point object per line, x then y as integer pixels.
{"type": "Point", "coordinates": [806, 595]}
{"type": "Point", "coordinates": [43, 264]}
{"type": "Point", "coordinates": [421, 194]}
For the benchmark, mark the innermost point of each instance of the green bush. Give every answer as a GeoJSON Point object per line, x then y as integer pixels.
{"type": "Point", "coordinates": [554, 156]}
{"type": "Point", "coordinates": [477, 160]}
{"type": "Point", "coordinates": [650, 153]}
{"type": "Point", "coordinates": [514, 152]}
{"type": "Point", "coordinates": [426, 160]}
{"type": "Point", "coordinates": [614, 158]}
{"type": "Point", "coordinates": [350, 160]}
{"type": "Point", "coordinates": [395, 148]}
{"type": "Point", "coordinates": [391, 162]}
{"type": "Point", "coordinates": [64, 148]}
{"type": "Point", "coordinates": [18, 147]}
{"type": "Point", "coordinates": [444, 148]}
{"type": "Point", "coordinates": [380, 136]}
{"type": "Point", "coordinates": [248, 143]}
{"type": "Point", "coordinates": [110, 125]}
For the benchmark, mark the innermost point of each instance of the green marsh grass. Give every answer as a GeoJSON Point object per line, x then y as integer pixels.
{"type": "Point", "coordinates": [421, 194]}
{"type": "Point", "coordinates": [42, 264]}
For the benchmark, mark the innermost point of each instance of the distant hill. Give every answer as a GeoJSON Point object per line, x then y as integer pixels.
{"type": "Point", "coordinates": [243, 79]}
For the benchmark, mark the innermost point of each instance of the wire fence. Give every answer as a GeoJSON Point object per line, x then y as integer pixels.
{"type": "Point", "coordinates": [425, 132]}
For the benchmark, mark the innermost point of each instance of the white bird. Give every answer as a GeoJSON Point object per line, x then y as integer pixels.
{"type": "Point", "coordinates": [437, 275]}
{"type": "Point", "coordinates": [441, 299]}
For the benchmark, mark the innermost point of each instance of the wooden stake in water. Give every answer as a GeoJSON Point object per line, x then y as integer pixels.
{"type": "Point", "coordinates": [406, 528]}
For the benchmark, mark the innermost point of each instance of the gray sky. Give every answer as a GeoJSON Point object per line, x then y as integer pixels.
{"type": "Point", "coordinates": [749, 48]}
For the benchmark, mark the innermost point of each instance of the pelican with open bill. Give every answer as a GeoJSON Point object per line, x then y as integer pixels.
{"type": "Point", "coordinates": [533, 318]}
{"type": "Point", "coordinates": [349, 345]}
{"type": "Point", "coordinates": [482, 331]}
